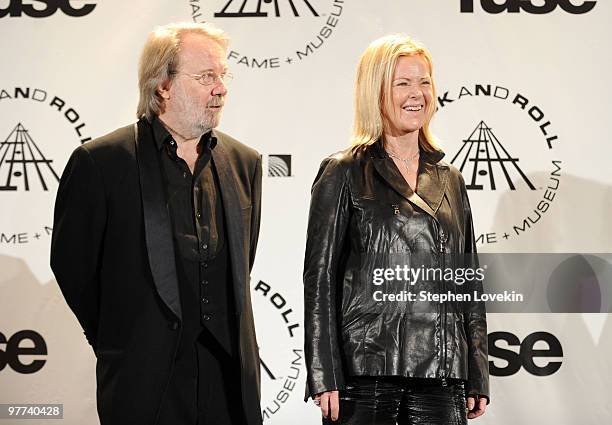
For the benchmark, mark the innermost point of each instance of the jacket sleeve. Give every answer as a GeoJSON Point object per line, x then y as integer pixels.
{"type": "Point", "coordinates": [76, 244]}
{"type": "Point", "coordinates": [475, 315]}
{"type": "Point", "coordinates": [255, 212]}
{"type": "Point", "coordinates": [327, 224]}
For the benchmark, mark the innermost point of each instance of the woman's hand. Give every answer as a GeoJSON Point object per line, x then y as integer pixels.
{"type": "Point", "coordinates": [476, 407]}
{"type": "Point", "coordinates": [329, 402]}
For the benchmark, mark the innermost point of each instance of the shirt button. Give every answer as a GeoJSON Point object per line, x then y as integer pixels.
{"type": "Point", "coordinates": [204, 282]}
{"type": "Point", "coordinates": [205, 300]}
{"type": "Point", "coordinates": [207, 317]}
{"type": "Point", "coordinates": [198, 215]}
{"type": "Point", "coordinates": [205, 265]}
{"type": "Point", "coordinates": [204, 246]}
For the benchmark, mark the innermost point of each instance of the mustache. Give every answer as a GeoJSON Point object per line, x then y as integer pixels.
{"type": "Point", "coordinates": [216, 101]}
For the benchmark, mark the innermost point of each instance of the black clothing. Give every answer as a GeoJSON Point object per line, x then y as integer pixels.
{"type": "Point", "coordinates": [204, 390]}
{"type": "Point", "coordinates": [401, 401]}
{"type": "Point", "coordinates": [362, 209]}
{"type": "Point", "coordinates": [113, 255]}
{"type": "Point", "coordinates": [196, 211]}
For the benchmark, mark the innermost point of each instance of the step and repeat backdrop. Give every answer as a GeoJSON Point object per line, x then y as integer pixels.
{"type": "Point", "coordinates": [528, 78]}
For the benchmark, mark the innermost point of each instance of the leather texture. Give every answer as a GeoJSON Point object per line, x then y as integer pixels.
{"type": "Point", "coordinates": [361, 209]}
{"type": "Point", "coordinates": [401, 401]}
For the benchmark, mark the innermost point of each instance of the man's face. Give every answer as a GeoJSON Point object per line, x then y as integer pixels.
{"type": "Point", "coordinates": [194, 107]}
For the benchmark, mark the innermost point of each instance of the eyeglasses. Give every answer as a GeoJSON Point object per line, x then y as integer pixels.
{"type": "Point", "coordinates": [208, 78]}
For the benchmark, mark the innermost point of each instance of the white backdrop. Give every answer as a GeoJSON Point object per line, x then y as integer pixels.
{"type": "Point", "coordinates": [292, 96]}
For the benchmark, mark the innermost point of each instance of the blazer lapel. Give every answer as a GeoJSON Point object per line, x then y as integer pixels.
{"type": "Point", "coordinates": [158, 231]}
{"type": "Point", "coordinates": [233, 220]}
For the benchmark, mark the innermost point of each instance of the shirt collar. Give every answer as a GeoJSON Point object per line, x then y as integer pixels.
{"type": "Point", "coordinates": [163, 137]}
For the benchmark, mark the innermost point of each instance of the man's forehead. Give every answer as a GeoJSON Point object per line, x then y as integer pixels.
{"type": "Point", "coordinates": [202, 51]}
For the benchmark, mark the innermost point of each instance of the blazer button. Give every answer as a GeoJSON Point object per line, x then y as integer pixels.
{"type": "Point", "coordinates": [174, 325]}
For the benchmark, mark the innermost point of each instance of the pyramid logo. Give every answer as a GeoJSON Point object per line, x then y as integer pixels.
{"type": "Point", "coordinates": [240, 9]}
{"type": "Point", "coordinates": [482, 157]}
{"type": "Point", "coordinates": [21, 161]}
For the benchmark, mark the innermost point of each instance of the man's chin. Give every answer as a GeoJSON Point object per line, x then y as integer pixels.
{"type": "Point", "coordinates": [214, 123]}
{"type": "Point", "coordinates": [205, 127]}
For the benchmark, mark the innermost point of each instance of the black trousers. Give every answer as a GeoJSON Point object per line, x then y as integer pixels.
{"type": "Point", "coordinates": [402, 401]}
{"type": "Point", "coordinates": [204, 388]}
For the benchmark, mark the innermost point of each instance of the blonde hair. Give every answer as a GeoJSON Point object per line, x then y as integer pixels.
{"type": "Point", "coordinates": [159, 60]}
{"type": "Point", "coordinates": [373, 87]}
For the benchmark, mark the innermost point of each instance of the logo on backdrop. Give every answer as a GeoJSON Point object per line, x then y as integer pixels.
{"type": "Point", "coordinates": [281, 33]}
{"type": "Point", "coordinates": [18, 357]}
{"type": "Point", "coordinates": [482, 156]}
{"type": "Point", "coordinates": [501, 141]}
{"type": "Point", "coordinates": [38, 131]}
{"type": "Point", "coordinates": [535, 7]}
{"type": "Point", "coordinates": [33, 9]}
{"type": "Point", "coordinates": [279, 165]}
{"type": "Point", "coordinates": [512, 362]}
{"type": "Point", "coordinates": [281, 353]}
{"type": "Point", "coordinates": [22, 163]}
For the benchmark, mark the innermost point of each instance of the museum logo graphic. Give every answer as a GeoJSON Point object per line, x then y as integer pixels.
{"type": "Point", "coordinates": [279, 165]}
{"type": "Point", "coordinates": [240, 9]}
{"type": "Point", "coordinates": [21, 159]}
{"type": "Point", "coordinates": [507, 152]}
{"type": "Point", "coordinates": [282, 357]}
{"type": "Point", "coordinates": [38, 132]}
{"type": "Point", "coordinates": [280, 33]}
{"type": "Point", "coordinates": [481, 154]}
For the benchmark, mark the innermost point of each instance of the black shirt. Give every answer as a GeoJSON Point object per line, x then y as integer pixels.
{"type": "Point", "coordinates": [198, 224]}
{"type": "Point", "coordinates": [192, 198]}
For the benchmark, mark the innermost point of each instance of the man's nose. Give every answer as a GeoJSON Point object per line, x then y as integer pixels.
{"type": "Point", "coordinates": [220, 88]}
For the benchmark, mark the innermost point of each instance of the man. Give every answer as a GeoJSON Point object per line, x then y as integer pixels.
{"type": "Point", "coordinates": [155, 231]}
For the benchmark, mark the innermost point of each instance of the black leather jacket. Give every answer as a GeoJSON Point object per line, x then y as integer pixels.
{"type": "Point", "coordinates": [362, 207]}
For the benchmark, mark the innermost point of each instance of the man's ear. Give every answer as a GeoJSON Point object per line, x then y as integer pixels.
{"type": "Point", "coordinates": [163, 89]}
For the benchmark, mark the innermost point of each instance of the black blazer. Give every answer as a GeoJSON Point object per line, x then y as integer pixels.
{"type": "Point", "coordinates": [113, 257]}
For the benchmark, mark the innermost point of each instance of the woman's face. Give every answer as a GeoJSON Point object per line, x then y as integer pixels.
{"type": "Point", "coordinates": [411, 94]}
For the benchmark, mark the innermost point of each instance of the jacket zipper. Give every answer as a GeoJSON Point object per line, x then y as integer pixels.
{"type": "Point", "coordinates": [442, 239]}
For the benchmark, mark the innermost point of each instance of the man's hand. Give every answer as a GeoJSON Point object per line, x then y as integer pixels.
{"type": "Point", "coordinates": [329, 402]}
{"type": "Point", "coordinates": [476, 407]}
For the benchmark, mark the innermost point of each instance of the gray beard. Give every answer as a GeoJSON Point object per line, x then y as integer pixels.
{"type": "Point", "coordinates": [197, 122]}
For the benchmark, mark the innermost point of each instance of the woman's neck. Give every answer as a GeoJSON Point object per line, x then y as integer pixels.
{"type": "Point", "coordinates": [405, 145]}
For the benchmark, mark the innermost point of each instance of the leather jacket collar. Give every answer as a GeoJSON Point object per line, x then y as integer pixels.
{"type": "Point", "coordinates": [431, 179]}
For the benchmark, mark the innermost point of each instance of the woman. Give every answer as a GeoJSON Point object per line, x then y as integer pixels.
{"type": "Point", "coordinates": [390, 193]}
